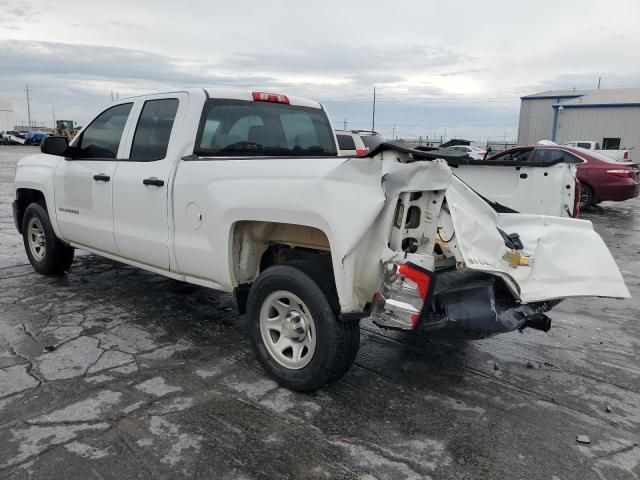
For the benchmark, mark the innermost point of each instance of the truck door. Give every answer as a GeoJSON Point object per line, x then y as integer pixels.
{"type": "Point", "coordinates": [143, 179]}
{"type": "Point", "coordinates": [83, 184]}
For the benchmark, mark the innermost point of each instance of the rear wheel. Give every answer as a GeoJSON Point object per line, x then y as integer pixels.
{"type": "Point", "coordinates": [47, 253]}
{"type": "Point", "coordinates": [292, 311]}
{"type": "Point", "coordinates": [586, 196]}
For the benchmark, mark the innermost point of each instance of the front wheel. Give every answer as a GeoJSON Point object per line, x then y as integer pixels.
{"type": "Point", "coordinates": [47, 253]}
{"type": "Point", "coordinates": [292, 312]}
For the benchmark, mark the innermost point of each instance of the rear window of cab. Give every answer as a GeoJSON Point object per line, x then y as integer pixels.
{"type": "Point", "coordinates": [243, 128]}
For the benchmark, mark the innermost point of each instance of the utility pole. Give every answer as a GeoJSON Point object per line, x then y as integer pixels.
{"type": "Point", "coordinates": [394, 131]}
{"type": "Point", "coordinates": [599, 80]}
{"type": "Point", "coordinates": [28, 107]}
{"type": "Point", "coordinates": [373, 119]}
{"type": "Point", "coordinates": [53, 115]}
{"type": "Point", "coordinates": [345, 124]}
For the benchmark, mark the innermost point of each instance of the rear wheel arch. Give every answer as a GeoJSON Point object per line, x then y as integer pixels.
{"type": "Point", "coordinates": [257, 245]}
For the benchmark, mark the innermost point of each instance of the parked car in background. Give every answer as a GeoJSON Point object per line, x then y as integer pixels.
{"type": "Point", "coordinates": [35, 138]}
{"type": "Point", "coordinates": [474, 152]}
{"type": "Point", "coordinates": [5, 136]}
{"type": "Point", "coordinates": [357, 142]}
{"type": "Point", "coordinates": [601, 178]}
{"type": "Point", "coordinates": [618, 155]}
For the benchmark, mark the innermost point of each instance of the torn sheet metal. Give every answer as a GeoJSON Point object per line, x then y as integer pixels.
{"type": "Point", "coordinates": [566, 257]}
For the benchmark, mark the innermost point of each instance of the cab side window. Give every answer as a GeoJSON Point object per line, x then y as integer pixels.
{"type": "Point", "coordinates": [102, 138]}
{"type": "Point", "coordinates": [153, 131]}
{"type": "Point", "coordinates": [345, 142]}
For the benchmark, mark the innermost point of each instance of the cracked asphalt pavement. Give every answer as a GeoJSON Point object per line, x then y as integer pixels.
{"type": "Point", "coordinates": [114, 373]}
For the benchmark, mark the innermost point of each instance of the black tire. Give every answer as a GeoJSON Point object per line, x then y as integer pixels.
{"type": "Point", "coordinates": [337, 341]}
{"type": "Point", "coordinates": [58, 256]}
{"type": "Point", "coordinates": [586, 196]}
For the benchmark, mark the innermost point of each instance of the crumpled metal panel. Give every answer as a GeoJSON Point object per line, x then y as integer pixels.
{"type": "Point", "coordinates": [566, 257]}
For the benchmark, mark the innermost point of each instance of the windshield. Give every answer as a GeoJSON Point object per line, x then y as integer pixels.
{"type": "Point", "coordinates": [245, 128]}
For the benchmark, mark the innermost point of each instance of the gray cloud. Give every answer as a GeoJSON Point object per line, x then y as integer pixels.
{"type": "Point", "coordinates": [428, 73]}
{"type": "Point", "coordinates": [59, 59]}
{"type": "Point", "coordinates": [347, 59]}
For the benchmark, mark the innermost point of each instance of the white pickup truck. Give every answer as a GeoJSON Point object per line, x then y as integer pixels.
{"type": "Point", "coordinates": [244, 192]}
{"type": "Point", "coordinates": [618, 155]}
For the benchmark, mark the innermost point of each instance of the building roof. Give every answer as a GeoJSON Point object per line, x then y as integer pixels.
{"type": "Point", "coordinates": [605, 96]}
{"type": "Point", "coordinates": [556, 94]}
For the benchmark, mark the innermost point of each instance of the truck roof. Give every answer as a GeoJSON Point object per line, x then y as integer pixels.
{"type": "Point", "coordinates": [232, 93]}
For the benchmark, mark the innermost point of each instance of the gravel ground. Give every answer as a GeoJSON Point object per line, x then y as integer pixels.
{"type": "Point", "coordinates": [112, 372]}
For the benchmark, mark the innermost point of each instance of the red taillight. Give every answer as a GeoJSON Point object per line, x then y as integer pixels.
{"type": "Point", "coordinates": [270, 97]}
{"type": "Point", "coordinates": [419, 277]}
{"type": "Point", "coordinates": [622, 172]}
{"type": "Point", "coordinates": [626, 155]}
{"type": "Point", "coordinates": [362, 151]}
{"type": "Point", "coordinates": [403, 295]}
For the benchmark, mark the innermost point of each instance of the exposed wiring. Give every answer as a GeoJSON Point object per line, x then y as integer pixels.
{"type": "Point", "coordinates": [442, 239]}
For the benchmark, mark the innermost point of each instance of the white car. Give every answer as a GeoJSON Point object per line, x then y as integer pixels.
{"type": "Point", "coordinates": [474, 152]}
{"type": "Point", "coordinates": [357, 142]}
{"type": "Point", "coordinates": [244, 192]}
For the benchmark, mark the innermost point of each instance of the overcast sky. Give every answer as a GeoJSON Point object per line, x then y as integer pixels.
{"type": "Point", "coordinates": [459, 66]}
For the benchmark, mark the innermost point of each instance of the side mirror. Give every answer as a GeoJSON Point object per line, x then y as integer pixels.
{"type": "Point", "coordinates": [54, 145]}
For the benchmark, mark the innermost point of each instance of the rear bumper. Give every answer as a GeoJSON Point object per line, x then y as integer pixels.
{"type": "Point", "coordinates": [475, 303]}
{"type": "Point", "coordinates": [618, 193]}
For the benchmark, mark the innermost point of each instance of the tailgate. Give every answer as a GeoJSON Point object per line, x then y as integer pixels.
{"type": "Point", "coordinates": [566, 257]}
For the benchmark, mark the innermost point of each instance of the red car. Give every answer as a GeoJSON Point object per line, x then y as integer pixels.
{"type": "Point", "coordinates": [600, 177]}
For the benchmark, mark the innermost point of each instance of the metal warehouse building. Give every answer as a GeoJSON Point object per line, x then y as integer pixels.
{"type": "Point", "coordinates": [608, 116]}
{"type": "Point", "coordinates": [6, 116]}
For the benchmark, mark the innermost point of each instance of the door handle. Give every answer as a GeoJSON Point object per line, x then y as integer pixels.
{"type": "Point", "coordinates": [101, 177]}
{"type": "Point", "coordinates": [153, 181]}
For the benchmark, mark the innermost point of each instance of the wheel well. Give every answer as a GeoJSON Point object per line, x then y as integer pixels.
{"type": "Point", "coordinates": [24, 198]}
{"type": "Point", "coordinates": [258, 245]}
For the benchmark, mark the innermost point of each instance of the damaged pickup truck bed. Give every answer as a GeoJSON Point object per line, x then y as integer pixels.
{"type": "Point", "coordinates": [244, 192]}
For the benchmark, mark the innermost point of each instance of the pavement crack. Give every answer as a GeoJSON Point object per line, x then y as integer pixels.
{"type": "Point", "coordinates": [613, 453]}
{"type": "Point", "coordinates": [86, 370]}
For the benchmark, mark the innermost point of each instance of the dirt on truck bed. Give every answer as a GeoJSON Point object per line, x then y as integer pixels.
{"type": "Point", "coordinates": [111, 372]}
